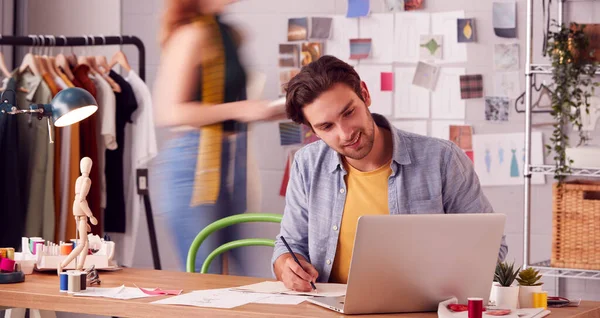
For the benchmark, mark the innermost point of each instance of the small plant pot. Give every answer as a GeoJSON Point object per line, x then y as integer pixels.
{"type": "Point", "coordinates": [526, 295]}
{"type": "Point", "coordinates": [507, 297]}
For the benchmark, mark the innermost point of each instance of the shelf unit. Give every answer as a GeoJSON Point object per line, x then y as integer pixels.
{"type": "Point", "coordinates": [532, 70]}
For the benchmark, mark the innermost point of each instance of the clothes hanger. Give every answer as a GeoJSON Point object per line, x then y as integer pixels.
{"type": "Point", "coordinates": [41, 62]}
{"type": "Point", "coordinates": [3, 67]}
{"type": "Point", "coordinates": [82, 59]}
{"type": "Point", "coordinates": [45, 58]}
{"type": "Point", "coordinates": [101, 59]}
{"type": "Point", "coordinates": [52, 58]}
{"type": "Point", "coordinates": [62, 63]}
{"type": "Point", "coordinates": [120, 58]}
{"type": "Point", "coordinates": [29, 61]}
{"type": "Point", "coordinates": [115, 87]}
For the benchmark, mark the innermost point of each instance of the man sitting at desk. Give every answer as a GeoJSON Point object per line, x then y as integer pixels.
{"type": "Point", "coordinates": [362, 165]}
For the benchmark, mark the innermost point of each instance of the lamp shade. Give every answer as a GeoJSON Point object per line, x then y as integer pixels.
{"type": "Point", "coordinates": [72, 105]}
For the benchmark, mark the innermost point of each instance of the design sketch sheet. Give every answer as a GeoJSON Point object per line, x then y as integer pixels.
{"type": "Point", "coordinates": [446, 102]}
{"type": "Point", "coordinates": [381, 101]}
{"type": "Point", "coordinates": [411, 101]}
{"type": "Point", "coordinates": [445, 23]}
{"type": "Point", "coordinates": [407, 35]}
{"type": "Point", "coordinates": [342, 30]}
{"type": "Point", "coordinates": [380, 29]}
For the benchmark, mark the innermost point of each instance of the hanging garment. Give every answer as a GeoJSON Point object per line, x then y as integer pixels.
{"type": "Point", "coordinates": [36, 155]}
{"type": "Point", "coordinates": [142, 140]}
{"type": "Point", "coordinates": [12, 182]}
{"type": "Point", "coordinates": [114, 214]}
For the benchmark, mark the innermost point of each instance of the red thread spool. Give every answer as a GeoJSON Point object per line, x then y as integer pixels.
{"type": "Point", "coordinates": [7, 265]}
{"type": "Point", "coordinates": [475, 307]}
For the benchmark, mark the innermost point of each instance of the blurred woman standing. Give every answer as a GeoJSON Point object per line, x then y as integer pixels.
{"type": "Point", "coordinates": [200, 94]}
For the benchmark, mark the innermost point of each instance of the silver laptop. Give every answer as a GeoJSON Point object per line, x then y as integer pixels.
{"type": "Point", "coordinates": [410, 263]}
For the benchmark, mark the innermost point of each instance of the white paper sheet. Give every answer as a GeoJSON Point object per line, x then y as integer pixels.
{"type": "Point", "coordinates": [446, 102]}
{"type": "Point", "coordinates": [506, 56]}
{"type": "Point", "coordinates": [381, 101]}
{"type": "Point", "coordinates": [342, 30]}
{"type": "Point", "coordinates": [323, 289]}
{"type": "Point", "coordinates": [380, 29]}
{"type": "Point", "coordinates": [507, 84]}
{"type": "Point", "coordinates": [282, 300]}
{"type": "Point", "coordinates": [441, 128]}
{"type": "Point", "coordinates": [410, 101]}
{"type": "Point", "coordinates": [414, 126]}
{"type": "Point", "coordinates": [499, 158]}
{"type": "Point", "coordinates": [120, 292]}
{"type": "Point", "coordinates": [407, 34]}
{"type": "Point", "coordinates": [445, 23]}
{"type": "Point", "coordinates": [216, 298]}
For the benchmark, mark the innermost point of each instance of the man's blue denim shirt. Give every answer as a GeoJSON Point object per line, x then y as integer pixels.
{"type": "Point", "coordinates": [429, 175]}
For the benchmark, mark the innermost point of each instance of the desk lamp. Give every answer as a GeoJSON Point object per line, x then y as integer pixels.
{"type": "Point", "coordinates": [69, 106]}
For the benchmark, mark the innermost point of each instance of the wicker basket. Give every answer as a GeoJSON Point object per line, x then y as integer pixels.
{"type": "Point", "coordinates": [576, 225]}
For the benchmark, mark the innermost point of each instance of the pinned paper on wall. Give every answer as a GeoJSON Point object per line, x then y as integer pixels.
{"type": "Point", "coordinates": [380, 29]}
{"type": "Point", "coordinates": [466, 30]}
{"type": "Point", "coordinates": [320, 27]}
{"type": "Point", "coordinates": [381, 101]}
{"type": "Point", "coordinates": [410, 101]}
{"type": "Point", "coordinates": [311, 51]}
{"type": "Point", "coordinates": [446, 100]}
{"type": "Point", "coordinates": [506, 57]}
{"type": "Point", "coordinates": [426, 75]}
{"type": "Point", "coordinates": [360, 48]}
{"type": "Point", "coordinates": [413, 4]}
{"type": "Point", "coordinates": [290, 133]}
{"type": "Point", "coordinates": [430, 47]}
{"type": "Point", "coordinates": [496, 108]}
{"type": "Point", "coordinates": [418, 127]}
{"type": "Point", "coordinates": [408, 29]}
{"type": "Point", "coordinates": [358, 8]}
{"type": "Point", "coordinates": [504, 19]}
{"type": "Point", "coordinates": [289, 55]}
{"type": "Point", "coordinates": [444, 23]}
{"type": "Point", "coordinates": [284, 77]}
{"type": "Point", "coordinates": [395, 5]}
{"type": "Point", "coordinates": [462, 136]}
{"type": "Point", "coordinates": [387, 81]}
{"type": "Point", "coordinates": [297, 29]}
{"type": "Point", "coordinates": [500, 158]}
{"type": "Point", "coordinates": [507, 84]}
{"type": "Point", "coordinates": [342, 31]}
{"type": "Point", "coordinates": [471, 86]}
{"type": "Point", "coordinates": [441, 128]}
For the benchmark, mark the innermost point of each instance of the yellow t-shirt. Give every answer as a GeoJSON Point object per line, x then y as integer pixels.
{"type": "Point", "coordinates": [367, 194]}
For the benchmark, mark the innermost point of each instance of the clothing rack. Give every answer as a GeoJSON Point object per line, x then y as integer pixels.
{"type": "Point", "coordinates": [91, 40]}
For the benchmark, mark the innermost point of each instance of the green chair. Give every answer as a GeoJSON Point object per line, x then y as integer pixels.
{"type": "Point", "coordinates": [222, 223]}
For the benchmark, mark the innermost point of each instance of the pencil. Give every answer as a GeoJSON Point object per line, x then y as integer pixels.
{"type": "Point", "coordinates": [296, 260]}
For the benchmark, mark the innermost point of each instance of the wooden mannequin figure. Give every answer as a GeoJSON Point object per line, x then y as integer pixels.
{"type": "Point", "coordinates": [81, 211]}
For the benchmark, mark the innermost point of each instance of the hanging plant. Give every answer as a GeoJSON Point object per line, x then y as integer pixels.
{"type": "Point", "coordinates": [572, 74]}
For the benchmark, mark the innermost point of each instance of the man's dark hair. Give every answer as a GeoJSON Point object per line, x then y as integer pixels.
{"type": "Point", "coordinates": [315, 79]}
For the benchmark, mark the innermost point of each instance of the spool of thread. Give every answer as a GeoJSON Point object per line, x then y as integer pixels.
{"type": "Point", "coordinates": [25, 245]}
{"type": "Point", "coordinates": [74, 282]}
{"type": "Point", "coordinates": [475, 307]}
{"type": "Point", "coordinates": [83, 283]}
{"type": "Point", "coordinates": [32, 241]}
{"type": "Point", "coordinates": [7, 265]}
{"type": "Point", "coordinates": [64, 282]}
{"type": "Point", "coordinates": [10, 253]}
{"type": "Point", "coordinates": [2, 252]}
{"type": "Point", "coordinates": [37, 247]}
{"type": "Point", "coordinates": [540, 299]}
{"type": "Point", "coordinates": [66, 248]}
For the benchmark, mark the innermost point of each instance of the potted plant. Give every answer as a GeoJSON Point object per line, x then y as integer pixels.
{"type": "Point", "coordinates": [506, 295]}
{"type": "Point", "coordinates": [529, 283]}
{"type": "Point", "coordinates": [572, 74]}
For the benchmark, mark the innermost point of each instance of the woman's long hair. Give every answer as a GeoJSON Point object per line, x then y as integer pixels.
{"type": "Point", "coordinates": [176, 13]}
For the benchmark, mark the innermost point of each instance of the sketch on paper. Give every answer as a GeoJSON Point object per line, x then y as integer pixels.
{"type": "Point", "coordinates": [430, 47]}
{"type": "Point", "coordinates": [465, 32]}
{"type": "Point", "coordinates": [446, 101]}
{"type": "Point", "coordinates": [507, 84]}
{"type": "Point", "coordinates": [444, 23]}
{"type": "Point", "coordinates": [506, 57]}
{"type": "Point", "coordinates": [289, 55]}
{"type": "Point", "coordinates": [410, 101]}
{"type": "Point", "coordinates": [380, 29]}
{"type": "Point", "coordinates": [381, 100]}
{"type": "Point", "coordinates": [426, 75]}
{"type": "Point", "coordinates": [311, 51]}
{"type": "Point", "coordinates": [496, 108]}
{"type": "Point", "coordinates": [297, 29]}
{"type": "Point", "coordinates": [499, 159]}
{"type": "Point", "coordinates": [418, 127]}
{"type": "Point", "coordinates": [342, 30]}
{"type": "Point", "coordinates": [409, 27]}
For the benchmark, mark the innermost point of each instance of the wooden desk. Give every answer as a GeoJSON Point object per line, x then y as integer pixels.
{"type": "Point", "coordinates": [40, 291]}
